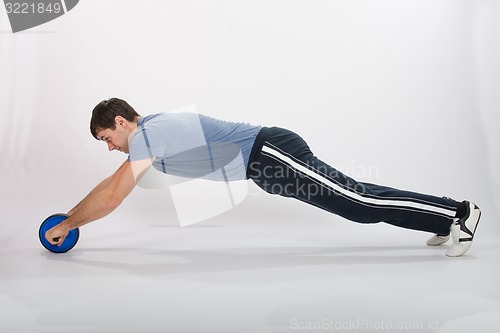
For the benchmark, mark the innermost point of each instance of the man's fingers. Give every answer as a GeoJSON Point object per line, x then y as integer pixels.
{"type": "Point", "coordinates": [60, 240]}
{"type": "Point", "coordinates": [47, 237]}
{"type": "Point", "coordinates": [55, 240]}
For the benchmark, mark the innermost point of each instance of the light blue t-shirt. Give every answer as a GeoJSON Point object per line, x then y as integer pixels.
{"type": "Point", "coordinates": [192, 145]}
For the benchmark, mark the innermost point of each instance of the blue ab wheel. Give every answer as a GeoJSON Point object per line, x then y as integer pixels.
{"type": "Point", "coordinates": [70, 240]}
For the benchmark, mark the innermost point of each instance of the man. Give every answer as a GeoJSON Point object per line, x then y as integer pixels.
{"type": "Point", "coordinates": [277, 160]}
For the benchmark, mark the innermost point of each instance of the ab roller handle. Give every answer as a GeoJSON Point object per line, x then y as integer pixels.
{"type": "Point", "coordinates": [68, 243]}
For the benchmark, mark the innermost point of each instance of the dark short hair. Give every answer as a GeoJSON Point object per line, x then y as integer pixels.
{"type": "Point", "coordinates": [104, 113]}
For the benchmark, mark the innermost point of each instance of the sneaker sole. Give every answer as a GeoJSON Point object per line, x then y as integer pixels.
{"type": "Point", "coordinates": [437, 240]}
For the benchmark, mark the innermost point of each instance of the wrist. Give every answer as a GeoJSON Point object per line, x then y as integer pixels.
{"type": "Point", "coordinates": [65, 226]}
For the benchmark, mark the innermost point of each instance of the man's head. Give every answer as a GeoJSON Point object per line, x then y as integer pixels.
{"type": "Point", "coordinates": [112, 121]}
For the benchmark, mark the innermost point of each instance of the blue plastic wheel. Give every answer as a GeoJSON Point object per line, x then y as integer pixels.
{"type": "Point", "coordinates": [70, 240]}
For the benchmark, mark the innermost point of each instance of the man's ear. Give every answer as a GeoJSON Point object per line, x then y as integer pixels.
{"type": "Point", "coordinates": [120, 121]}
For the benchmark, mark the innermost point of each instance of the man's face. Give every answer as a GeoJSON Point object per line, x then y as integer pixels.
{"type": "Point", "coordinates": [116, 139]}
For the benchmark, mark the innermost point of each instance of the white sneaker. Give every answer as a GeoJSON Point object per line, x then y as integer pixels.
{"type": "Point", "coordinates": [462, 230]}
{"type": "Point", "coordinates": [437, 240]}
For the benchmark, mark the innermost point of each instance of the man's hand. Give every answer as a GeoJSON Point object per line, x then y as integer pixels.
{"type": "Point", "coordinates": [57, 234]}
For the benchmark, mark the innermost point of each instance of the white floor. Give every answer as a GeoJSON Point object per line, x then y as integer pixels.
{"type": "Point", "coordinates": [250, 270]}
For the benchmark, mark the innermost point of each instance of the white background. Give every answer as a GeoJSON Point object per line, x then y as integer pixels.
{"type": "Point", "coordinates": [402, 93]}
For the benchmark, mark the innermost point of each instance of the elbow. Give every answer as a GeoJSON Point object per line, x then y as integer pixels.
{"type": "Point", "coordinates": [111, 202]}
{"type": "Point", "coordinates": [114, 202]}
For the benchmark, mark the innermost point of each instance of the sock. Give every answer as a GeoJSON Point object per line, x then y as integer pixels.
{"type": "Point", "coordinates": [461, 210]}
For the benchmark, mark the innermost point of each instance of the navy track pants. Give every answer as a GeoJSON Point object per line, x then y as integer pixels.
{"type": "Point", "coordinates": [282, 163]}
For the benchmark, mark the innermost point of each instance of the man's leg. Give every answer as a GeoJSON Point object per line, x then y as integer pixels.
{"type": "Point", "coordinates": [286, 166]}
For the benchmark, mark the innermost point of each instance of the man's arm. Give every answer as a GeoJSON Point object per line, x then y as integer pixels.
{"type": "Point", "coordinates": [101, 201]}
